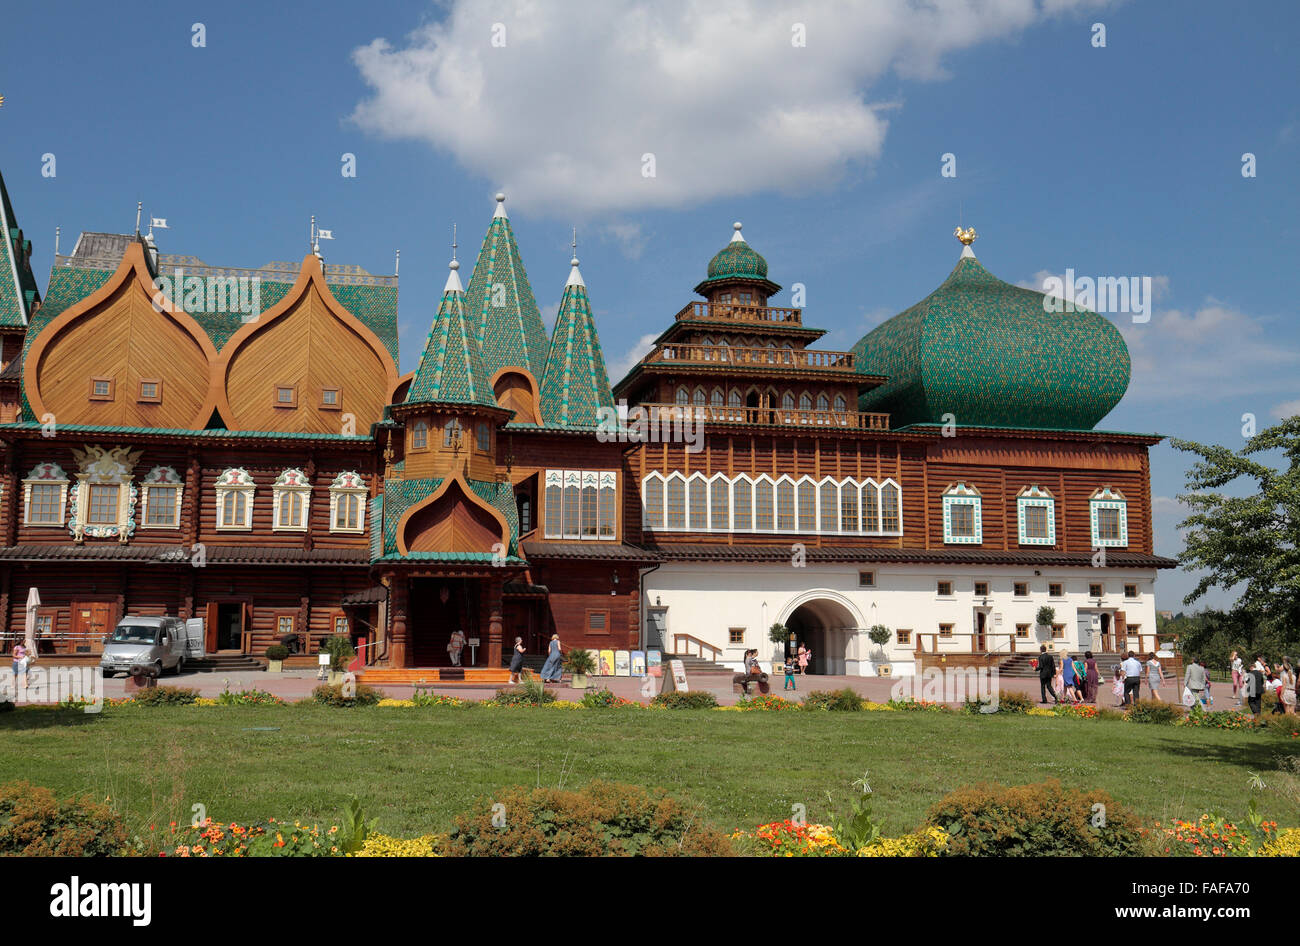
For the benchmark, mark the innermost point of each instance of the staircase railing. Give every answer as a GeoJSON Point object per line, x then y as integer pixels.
{"type": "Point", "coordinates": [701, 645]}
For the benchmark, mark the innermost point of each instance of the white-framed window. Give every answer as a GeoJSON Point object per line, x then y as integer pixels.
{"type": "Point", "coordinates": [234, 491]}
{"type": "Point", "coordinates": [163, 491]}
{"type": "Point", "coordinates": [583, 504]}
{"type": "Point", "coordinates": [744, 503]}
{"type": "Point", "coordinates": [290, 502]}
{"type": "Point", "coordinates": [1036, 516]}
{"type": "Point", "coordinates": [1108, 513]}
{"type": "Point", "coordinates": [348, 503]}
{"type": "Point", "coordinates": [961, 515]}
{"type": "Point", "coordinates": [45, 496]}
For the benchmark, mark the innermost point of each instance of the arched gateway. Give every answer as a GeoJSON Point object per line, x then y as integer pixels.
{"type": "Point", "coordinates": [830, 624]}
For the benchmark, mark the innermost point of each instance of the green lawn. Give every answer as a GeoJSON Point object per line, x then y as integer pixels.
{"type": "Point", "coordinates": [414, 768]}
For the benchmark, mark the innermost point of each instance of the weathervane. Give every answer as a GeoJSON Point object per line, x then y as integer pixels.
{"type": "Point", "coordinates": [966, 236]}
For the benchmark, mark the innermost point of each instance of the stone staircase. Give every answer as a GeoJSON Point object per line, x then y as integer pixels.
{"type": "Point", "coordinates": [694, 664]}
{"type": "Point", "coordinates": [223, 663]}
{"type": "Point", "coordinates": [1017, 666]}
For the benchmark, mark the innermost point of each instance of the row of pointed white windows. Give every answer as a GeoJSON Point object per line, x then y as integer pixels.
{"type": "Point", "coordinates": [716, 398]}
{"type": "Point", "coordinates": [580, 504]}
{"type": "Point", "coordinates": [721, 503]}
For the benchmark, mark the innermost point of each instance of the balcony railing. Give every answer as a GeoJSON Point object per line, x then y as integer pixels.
{"type": "Point", "coordinates": [773, 357]}
{"type": "Point", "coordinates": [733, 312]}
{"type": "Point", "coordinates": [768, 416]}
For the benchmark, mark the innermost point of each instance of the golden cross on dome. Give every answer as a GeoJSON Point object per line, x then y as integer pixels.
{"type": "Point", "coordinates": [966, 236]}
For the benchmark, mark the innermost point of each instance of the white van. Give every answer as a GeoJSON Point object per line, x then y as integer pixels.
{"type": "Point", "coordinates": [160, 642]}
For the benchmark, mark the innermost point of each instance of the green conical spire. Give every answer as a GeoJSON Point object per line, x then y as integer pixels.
{"type": "Point", "coordinates": [18, 291]}
{"type": "Point", "coordinates": [450, 369]}
{"type": "Point", "coordinates": [500, 303]}
{"type": "Point", "coordinates": [575, 383]}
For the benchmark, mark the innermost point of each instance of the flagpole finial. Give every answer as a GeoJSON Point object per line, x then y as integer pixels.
{"type": "Point", "coordinates": [139, 206]}
{"type": "Point", "coordinates": [453, 243]}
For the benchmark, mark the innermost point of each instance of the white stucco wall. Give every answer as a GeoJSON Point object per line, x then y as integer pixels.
{"type": "Point", "coordinates": [706, 599]}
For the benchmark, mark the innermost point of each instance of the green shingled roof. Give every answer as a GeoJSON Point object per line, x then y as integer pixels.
{"type": "Point", "coordinates": [401, 495]}
{"type": "Point", "coordinates": [990, 354]}
{"type": "Point", "coordinates": [451, 369]}
{"type": "Point", "coordinates": [18, 291]}
{"type": "Point", "coordinates": [575, 383]}
{"type": "Point", "coordinates": [501, 305]}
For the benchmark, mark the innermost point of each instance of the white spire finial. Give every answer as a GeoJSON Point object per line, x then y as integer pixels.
{"type": "Point", "coordinates": [575, 277]}
{"type": "Point", "coordinates": [453, 277]}
{"type": "Point", "coordinates": [501, 205]}
{"type": "Point", "coordinates": [736, 237]}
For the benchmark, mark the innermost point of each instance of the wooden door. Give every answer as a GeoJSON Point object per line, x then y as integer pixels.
{"type": "Point", "coordinates": [980, 642]}
{"type": "Point", "coordinates": [210, 629]}
{"type": "Point", "coordinates": [92, 621]}
{"type": "Point", "coordinates": [1121, 631]}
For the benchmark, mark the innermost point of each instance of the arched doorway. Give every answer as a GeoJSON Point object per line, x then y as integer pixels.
{"type": "Point", "coordinates": [828, 624]}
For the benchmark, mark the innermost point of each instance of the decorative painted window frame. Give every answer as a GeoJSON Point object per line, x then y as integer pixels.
{"type": "Point", "coordinates": [960, 494]}
{"type": "Point", "coordinates": [164, 476]}
{"type": "Point", "coordinates": [233, 480]}
{"type": "Point", "coordinates": [1035, 496]}
{"type": "Point", "coordinates": [800, 486]}
{"type": "Point", "coordinates": [348, 483]}
{"type": "Point", "coordinates": [104, 467]}
{"type": "Point", "coordinates": [45, 474]}
{"type": "Point", "coordinates": [291, 482]}
{"type": "Point", "coordinates": [1108, 498]}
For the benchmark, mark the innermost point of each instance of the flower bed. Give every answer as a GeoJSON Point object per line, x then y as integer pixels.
{"type": "Point", "coordinates": [1210, 836]}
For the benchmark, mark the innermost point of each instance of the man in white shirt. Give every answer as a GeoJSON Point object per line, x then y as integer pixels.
{"type": "Point", "coordinates": [1132, 677]}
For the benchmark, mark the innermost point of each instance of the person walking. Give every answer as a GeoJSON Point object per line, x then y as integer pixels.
{"type": "Point", "coordinates": [20, 665]}
{"type": "Point", "coordinates": [1117, 685]}
{"type": "Point", "coordinates": [554, 666]}
{"type": "Point", "coordinates": [1238, 675]}
{"type": "Point", "coordinates": [1286, 695]}
{"type": "Point", "coordinates": [1253, 686]}
{"type": "Point", "coordinates": [1155, 677]}
{"type": "Point", "coordinates": [1046, 671]}
{"type": "Point", "coordinates": [517, 660]}
{"type": "Point", "coordinates": [1091, 678]}
{"type": "Point", "coordinates": [1068, 680]}
{"type": "Point", "coordinates": [1194, 680]}
{"type": "Point", "coordinates": [455, 645]}
{"type": "Point", "coordinates": [789, 674]}
{"type": "Point", "coordinates": [1132, 668]}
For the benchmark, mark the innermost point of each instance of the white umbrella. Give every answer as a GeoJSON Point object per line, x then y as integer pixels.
{"type": "Point", "coordinates": [33, 602]}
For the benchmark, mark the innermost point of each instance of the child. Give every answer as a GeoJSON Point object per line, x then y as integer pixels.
{"type": "Point", "coordinates": [789, 674]}
{"type": "Point", "coordinates": [1118, 688]}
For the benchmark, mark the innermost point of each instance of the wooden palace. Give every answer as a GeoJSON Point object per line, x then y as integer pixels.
{"type": "Point", "coordinates": [239, 445]}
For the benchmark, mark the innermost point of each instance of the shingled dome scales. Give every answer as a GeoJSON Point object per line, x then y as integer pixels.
{"type": "Point", "coordinates": [575, 383]}
{"type": "Point", "coordinates": [451, 370]}
{"type": "Point", "coordinates": [993, 355]}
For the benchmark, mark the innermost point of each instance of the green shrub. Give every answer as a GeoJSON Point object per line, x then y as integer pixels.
{"type": "Point", "coordinates": [33, 823]}
{"type": "Point", "coordinates": [1013, 702]}
{"type": "Point", "coordinates": [842, 700]}
{"type": "Point", "coordinates": [1153, 711]}
{"type": "Point", "coordinates": [603, 819]}
{"type": "Point", "coordinates": [340, 650]}
{"type": "Point", "coordinates": [678, 700]}
{"type": "Point", "coordinates": [6, 706]}
{"type": "Point", "coordinates": [530, 692]}
{"type": "Point", "coordinates": [339, 695]}
{"type": "Point", "coordinates": [166, 696]}
{"type": "Point", "coordinates": [599, 699]}
{"type": "Point", "coordinates": [277, 652]}
{"type": "Point", "coordinates": [249, 698]}
{"type": "Point", "coordinates": [1042, 820]}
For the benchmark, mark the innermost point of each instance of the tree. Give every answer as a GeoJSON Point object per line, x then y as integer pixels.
{"type": "Point", "coordinates": [1248, 541]}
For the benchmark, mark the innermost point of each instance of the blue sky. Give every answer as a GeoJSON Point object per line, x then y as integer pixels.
{"type": "Point", "coordinates": [1115, 161]}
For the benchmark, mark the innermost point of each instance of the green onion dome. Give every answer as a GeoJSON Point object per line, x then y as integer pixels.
{"type": "Point", "coordinates": [994, 355]}
{"type": "Point", "coordinates": [737, 259]}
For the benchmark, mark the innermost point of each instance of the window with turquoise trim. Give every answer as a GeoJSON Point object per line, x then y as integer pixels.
{"type": "Point", "coordinates": [1108, 514]}
{"type": "Point", "coordinates": [961, 515]}
{"type": "Point", "coordinates": [1036, 516]}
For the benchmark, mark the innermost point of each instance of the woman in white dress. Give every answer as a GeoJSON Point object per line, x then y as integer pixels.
{"type": "Point", "coordinates": [1155, 677]}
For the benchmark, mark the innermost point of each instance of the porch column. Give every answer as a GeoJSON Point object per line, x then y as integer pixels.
{"type": "Point", "coordinates": [495, 623]}
{"type": "Point", "coordinates": [397, 594]}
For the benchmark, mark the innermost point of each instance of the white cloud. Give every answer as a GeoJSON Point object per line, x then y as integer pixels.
{"type": "Point", "coordinates": [562, 114]}
{"type": "Point", "coordinates": [1286, 409]}
{"type": "Point", "coordinates": [549, 312]}
{"type": "Point", "coordinates": [623, 364]}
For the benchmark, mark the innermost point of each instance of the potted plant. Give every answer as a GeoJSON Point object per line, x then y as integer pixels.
{"type": "Point", "coordinates": [275, 657]}
{"type": "Point", "coordinates": [1045, 618]}
{"type": "Point", "coordinates": [580, 662]}
{"type": "Point", "coordinates": [880, 636]}
{"type": "Point", "coordinates": [341, 653]}
{"type": "Point", "coordinates": [778, 633]}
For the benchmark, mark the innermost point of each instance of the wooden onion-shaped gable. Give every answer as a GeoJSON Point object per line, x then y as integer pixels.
{"type": "Point", "coordinates": [453, 518]}
{"type": "Point", "coordinates": [311, 343]}
{"type": "Point", "coordinates": [516, 390]}
{"type": "Point", "coordinates": [123, 333]}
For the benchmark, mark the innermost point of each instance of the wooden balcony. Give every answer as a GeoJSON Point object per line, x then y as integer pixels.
{"type": "Point", "coordinates": [793, 358]}
{"type": "Point", "coordinates": [768, 416]}
{"type": "Point", "coordinates": [732, 312]}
